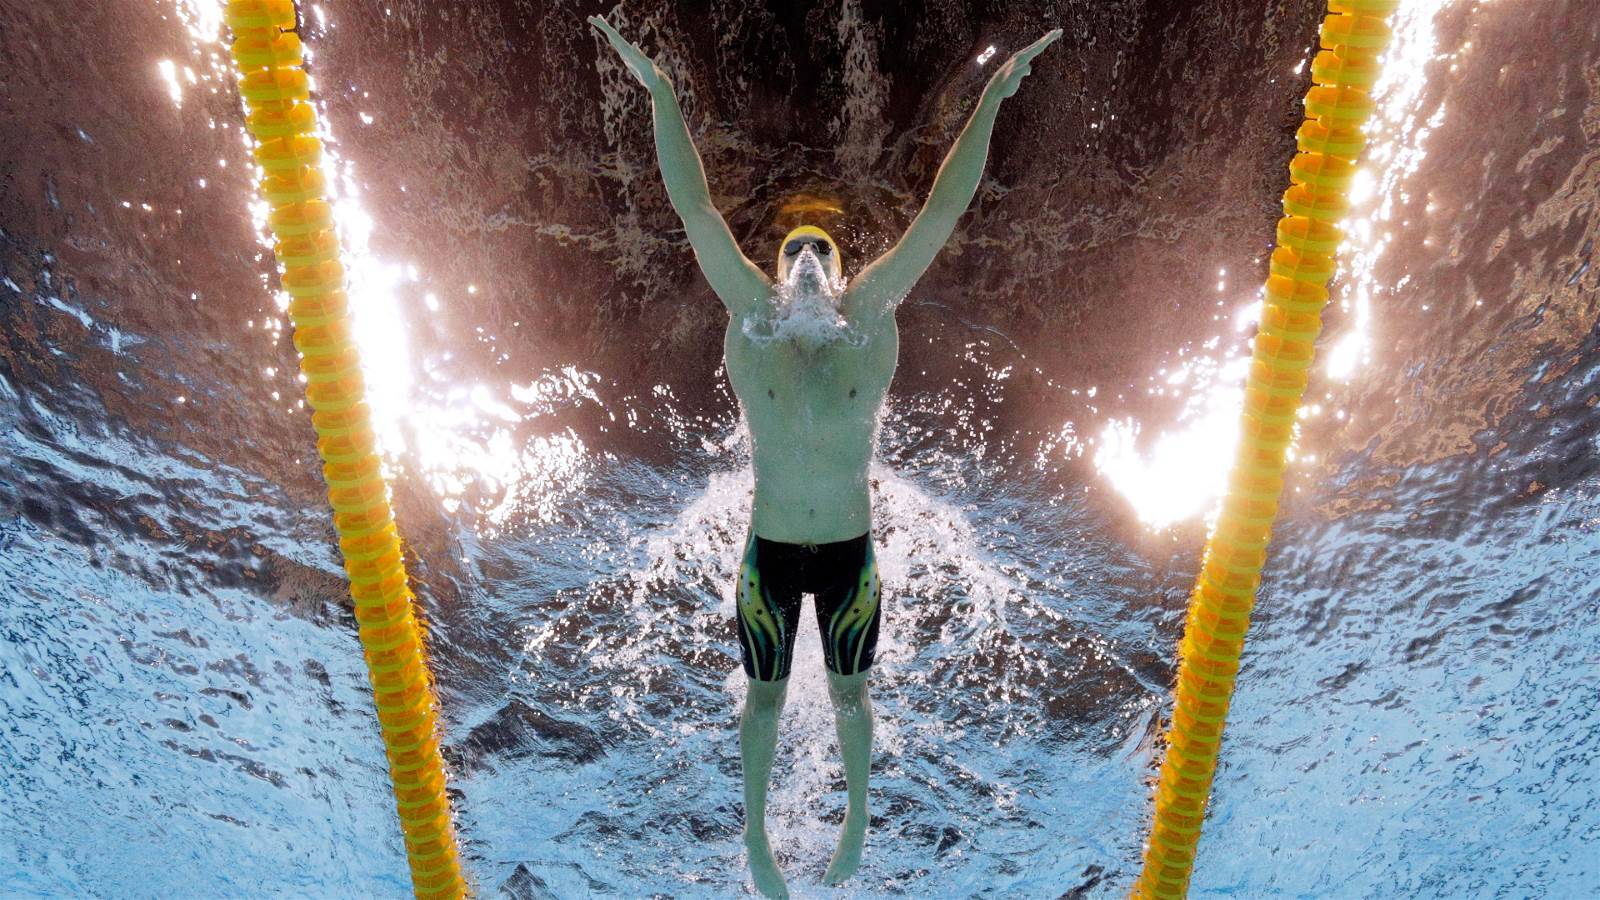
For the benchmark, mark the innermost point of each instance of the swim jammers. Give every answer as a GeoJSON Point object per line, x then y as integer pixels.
{"type": "Point", "coordinates": [842, 576]}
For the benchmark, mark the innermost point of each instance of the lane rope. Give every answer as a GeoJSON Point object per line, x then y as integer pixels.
{"type": "Point", "coordinates": [1330, 141]}
{"type": "Point", "coordinates": [269, 60]}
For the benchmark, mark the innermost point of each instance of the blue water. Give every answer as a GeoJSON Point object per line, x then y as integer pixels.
{"type": "Point", "coordinates": [1415, 715]}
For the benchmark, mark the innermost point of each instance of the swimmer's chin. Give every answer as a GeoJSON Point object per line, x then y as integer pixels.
{"type": "Point", "coordinates": [807, 288]}
{"type": "Point", "coordinates": [810, 324]}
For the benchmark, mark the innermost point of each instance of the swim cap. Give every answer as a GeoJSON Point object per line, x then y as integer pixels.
{"type": "Point", "coordinates": [794, 242]}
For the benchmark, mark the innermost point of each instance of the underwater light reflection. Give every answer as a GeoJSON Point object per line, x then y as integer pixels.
{"type": "Point", "coordinates": [1185, 469]}
{"type": "Point", "coordinates": [202, 19]}
{"type": "Point", "coordinates": [466, 441]}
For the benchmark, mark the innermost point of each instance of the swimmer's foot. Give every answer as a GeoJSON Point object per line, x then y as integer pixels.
{"type": "Point", "coordinates": [764, 866]}
{"type": "Point", "coordinates": [848, 855]}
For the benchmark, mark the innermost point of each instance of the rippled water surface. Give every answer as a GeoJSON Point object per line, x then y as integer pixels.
{"type": "Point", "coordinates": [183, 706]}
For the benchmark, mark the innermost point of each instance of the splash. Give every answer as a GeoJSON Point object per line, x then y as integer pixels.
{"type": "Point", "coordinates": [804, 310]}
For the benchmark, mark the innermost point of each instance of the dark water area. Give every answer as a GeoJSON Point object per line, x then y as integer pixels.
{"type": "Point", "coordinates": [180, 680]}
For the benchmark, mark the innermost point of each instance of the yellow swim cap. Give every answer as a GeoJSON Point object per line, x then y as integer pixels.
{"type": "Point", "coordinates": [794, 241]}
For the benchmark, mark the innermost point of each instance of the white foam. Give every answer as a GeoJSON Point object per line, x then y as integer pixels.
{"type": "Point", "coordinates": [804, 309]}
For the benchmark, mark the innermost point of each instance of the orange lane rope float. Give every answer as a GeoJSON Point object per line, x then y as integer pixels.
{"type": "Point", "coordinates": [1330, 141]}
{"type": "Point", "coordinates": [272, 81]}
{"type": "Point", "coordinates": [806, 209]}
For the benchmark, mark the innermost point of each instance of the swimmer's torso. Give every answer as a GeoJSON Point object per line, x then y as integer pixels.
{"type": "Point", "coordinates": [813, 417]}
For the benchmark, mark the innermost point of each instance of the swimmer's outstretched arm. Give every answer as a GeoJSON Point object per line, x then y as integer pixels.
{"type": "Point", "coordinates": [735, 279]}
{"type": "Point", "coordinates": [880, 287]}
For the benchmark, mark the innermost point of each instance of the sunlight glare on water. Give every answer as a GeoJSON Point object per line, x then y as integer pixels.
{"type": "Point", "coordinates": [461, 438]}
{"type": "Point", "coordinates": [1185, 469]}
{"type": "Point", "coordinates": [1395, 149]}
{"type": "Point", "coordinates": [458, 436]}
{"type": "Point", "coordinates": [202, 19]}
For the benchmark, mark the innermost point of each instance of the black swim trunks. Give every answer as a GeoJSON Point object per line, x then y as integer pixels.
{"type": "Point", "coordinates": [842, 576]}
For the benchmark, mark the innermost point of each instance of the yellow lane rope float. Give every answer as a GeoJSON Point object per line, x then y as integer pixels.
{"type": "Point", "coordinates": [272, 81]}
{"type": "Point", "coordinates": [1330, 141]}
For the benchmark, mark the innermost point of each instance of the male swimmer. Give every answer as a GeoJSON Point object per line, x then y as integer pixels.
{"type": "Point", "coordinates": [810, 359]}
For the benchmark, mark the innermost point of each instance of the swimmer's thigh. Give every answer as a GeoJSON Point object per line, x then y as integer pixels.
{"type": "Point", "coordinates": [767, 615]}
{"type": "Point", "coordinates": [848, 612]}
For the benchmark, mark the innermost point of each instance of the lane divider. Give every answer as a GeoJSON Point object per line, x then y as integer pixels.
{"type": "Point", "coordinates": [1352, 38]}
{"type": "Point", "coordinates": [272, 80]}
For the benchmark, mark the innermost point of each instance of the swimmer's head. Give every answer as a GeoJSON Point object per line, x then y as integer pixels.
{"type": "Point", "coordinates": [803, 244]}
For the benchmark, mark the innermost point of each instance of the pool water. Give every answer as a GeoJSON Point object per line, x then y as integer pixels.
{"type": "Point", "coordinates": [183, 706]}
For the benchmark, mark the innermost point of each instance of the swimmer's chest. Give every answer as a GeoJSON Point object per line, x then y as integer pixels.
{"type": "Point", "coordinates": [781, 383]}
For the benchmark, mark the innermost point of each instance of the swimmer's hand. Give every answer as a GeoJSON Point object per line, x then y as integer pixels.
{"type": "Point", "coordinates": [642, 66]}
{"type": "Point", "coordinates": [1009, 76]}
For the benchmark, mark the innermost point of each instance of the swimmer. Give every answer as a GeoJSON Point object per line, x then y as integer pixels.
{"type": "Point", "coordinates": [810, 358]}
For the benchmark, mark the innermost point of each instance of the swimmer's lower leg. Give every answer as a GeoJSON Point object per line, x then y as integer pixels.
{"type": "Point", "coordinates": [758, 740]}
{"type": "Point", "coordinates": [852, 717]}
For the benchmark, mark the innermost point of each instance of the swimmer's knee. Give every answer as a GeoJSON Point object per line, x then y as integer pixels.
{"type": "Point", "coordinates": [848, 689]}
{"type": "Point", "coordinates": [766, 694]}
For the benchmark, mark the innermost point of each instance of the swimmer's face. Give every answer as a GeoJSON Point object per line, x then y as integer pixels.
{"type": "Point", "coordinates": [808, 257]}
{"type": "Point", "coordinates": [810, 281]}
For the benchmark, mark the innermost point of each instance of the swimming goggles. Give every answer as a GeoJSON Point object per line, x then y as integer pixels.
{"type": "Point", "coordinates": [794, 247]}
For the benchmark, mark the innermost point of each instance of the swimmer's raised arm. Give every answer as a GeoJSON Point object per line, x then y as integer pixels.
{"type": "Point", "coordinates": [880, 287]}
{"type": "Point", "coordinates": [737, 281]}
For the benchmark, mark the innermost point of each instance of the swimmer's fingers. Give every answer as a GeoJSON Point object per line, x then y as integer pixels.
{"type": "Point", "coordinates": [610, 33]}
{"type": "Point", "coordinates": [1009, 76]}
{"type": "Point", "coordinates": [630, 54]}
{"type": "Point", "coordinates": [1022, 58]}
{"type": "Point", "coordinates": [642, 66]}
{"type": "Point", "coordinates": [1037, 47]}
